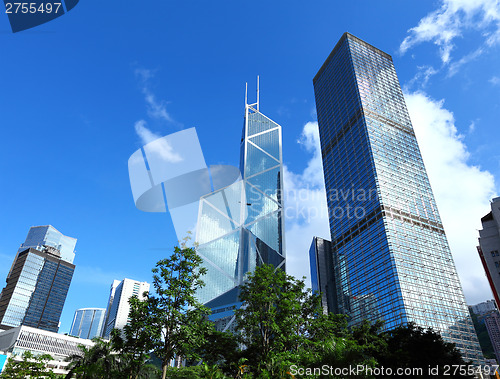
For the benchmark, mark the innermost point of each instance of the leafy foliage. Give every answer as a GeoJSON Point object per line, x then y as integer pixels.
{"type": "Point", "coordinates": [177, 321]}
{"type": "Point", "coordinates": [413, 346]}
{"type": "Point", "coordinates": [133, 343]}
{"type": "Point", "coordinates": [30, 366]}
{"type": "Point", "coordinates": [282, 324]}
{"type": "Point", "coordinates": [279, 325]}
{"type": "Point", "coordinates": [98, 361]}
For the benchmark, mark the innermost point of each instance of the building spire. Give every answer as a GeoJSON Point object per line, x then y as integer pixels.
{"type": "Point", "coordinates": [257, 92]}
{"type": "Point", "coordinates": [256, 104]}
{"type": "Point", "coordinates": [246, 94]}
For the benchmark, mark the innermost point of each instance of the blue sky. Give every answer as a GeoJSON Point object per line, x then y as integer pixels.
{"type": "Point", "coordinates": [72, 91]}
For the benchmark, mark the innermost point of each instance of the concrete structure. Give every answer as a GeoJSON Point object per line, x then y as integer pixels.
{"type": "Point", "coordinates": [484, 307]}
{"type": "Point", "coordinates": [489, 247]}
{"type": "Point", "coordinates": [392, 257]}
{"type": "Point", "coordinates": [492, 322]}
{"type": "Point", "coordinates": [118, 306]}
{"type": "Point", "coordinates": [24, 338]}
{"type": "Point", "coordinates": [241, 225]}
{"type": "Point", "coordinates": [88, 323]}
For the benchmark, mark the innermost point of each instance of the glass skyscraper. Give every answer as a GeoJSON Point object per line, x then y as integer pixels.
{"type": "Point", "coordinates": [88, 323]}
{"type": "Point", "coordinates": [47, 235]}
{"type": "Point", "coordinates": [240, 226]}
{"type": "Point", "coordinates": [390, 253]}
{"type": "Point", "coordinates": [39, 280]}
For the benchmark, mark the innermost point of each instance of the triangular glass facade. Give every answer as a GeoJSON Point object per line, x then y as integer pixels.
{"type": "Point", "coordinates": [240, 226]}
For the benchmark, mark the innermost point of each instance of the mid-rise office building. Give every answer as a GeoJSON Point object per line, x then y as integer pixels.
{"type": "Point", "coordinates": [118, 305]}
{"type": "Point", "coordinates": [88, 323]}
{"type": "Point", "coordinates": [484, 307]}
{"type": "Point", "coordinates": [393, 261]}
{"type": "Point", "coordinates": [489, 247]}
{"type": "Point", "coordinates": [492, 322]}
{"type": "Point", "coordinates": [241, 226]}
{"type": "Point", "coordinates": [38, 282]}
{"type": "Point", "coordinates": [16, 341]}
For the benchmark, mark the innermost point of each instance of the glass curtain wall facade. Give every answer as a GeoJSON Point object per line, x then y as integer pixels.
{"type": "Point", "coordinates": [47, 235]}
{"type": "Point", "coordinates": [36, 290]}
{"type": "Point", "coordinates": [240, 226]}
{"type": "Point", "coordinates": [88, 322]}
{"type": "Point", "coordinates": [322, 281]}
{"type": "Point", "coordinates": [392, 257]}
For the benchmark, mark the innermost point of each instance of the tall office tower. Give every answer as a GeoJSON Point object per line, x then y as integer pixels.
{"type": "Point", "coordinates": [321, 261]}
{"type": "Point", "coordinates": [393, 258]}
{"type": "Point", "coordinates": [88, 323]}
{"type": "Point", "coordinates": [39, 280]}
{"type": "Point", "coordinates": [489, 247]}
{"type": "Point", "coordinates": [118, 306]}
{"type": "Point", "coordinates": [47, 235]}
{"type": "Point", "coordinates": [240, 226]}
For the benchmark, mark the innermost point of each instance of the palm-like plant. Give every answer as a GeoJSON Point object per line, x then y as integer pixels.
{"type": "Point", "coordinates": [96, 362]}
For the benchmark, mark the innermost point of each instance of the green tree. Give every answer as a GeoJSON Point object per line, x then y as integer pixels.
{"type": "Point", "coordinates": [31, 366]}
{"type": "Point", "coordinates": [96, 362]}
{"type": "Point", "coordinates": [412, 346]}
{"type": "Point", "coordinates": [331, 343]}
{"type": "Point", "coordinates": [177, 321]}
{"type": "Point", "coordinates": [275, 318]}
{"type": "Point", "coordinates": [220, 348]}
{"type": "Point", "coordinates": [133, 343]}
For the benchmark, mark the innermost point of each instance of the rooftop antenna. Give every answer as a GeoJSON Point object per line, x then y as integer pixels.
{"type": "Point", "coordinates": [257, 92]}
{"type": "Point", "coordinates": [246, 93]}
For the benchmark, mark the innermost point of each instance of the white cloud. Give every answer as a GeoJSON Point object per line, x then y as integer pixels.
{"type": "Point", "coordinates": [422, 76]}
{"type": "Point", "coordinates": [444, 25]}
{"type": "Point", "coordinates": [455, 66]}
{"type": "Point", "coordinates": [495, 80]}
{"type": "Point", "coordinates": [305, 206]}
{"type": "Point", "coordinates": [462, 190]}
{"type": "Point", "coordinates": [162, 148]}
{"type": "Point", "coordinates": [156, 109]}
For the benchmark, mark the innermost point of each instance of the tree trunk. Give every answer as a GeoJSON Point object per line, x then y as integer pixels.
{"type": "Point", "coordinates": [164, 369]}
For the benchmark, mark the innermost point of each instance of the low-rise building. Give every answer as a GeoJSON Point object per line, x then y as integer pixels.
{"type": "Point", "coordinates": [18, 340]}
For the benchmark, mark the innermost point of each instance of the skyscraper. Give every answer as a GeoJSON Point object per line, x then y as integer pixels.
{"type": "Point", "coordinates": [489, 247]}
{"type": "Point", "coordinates": [39, 280]}
{"type": "Point", "coordinates": [240, 226]}
{"type": "Point", "coordinates": [88, 323]}
{"type": "Point", "coordinates": [392, 257]}
{"type": "Point", "coordinates": [118, 306]}
{"type": "Point", "coordinates": [322, 281]}
{"type": "Point", "coordinates": [47, 235]}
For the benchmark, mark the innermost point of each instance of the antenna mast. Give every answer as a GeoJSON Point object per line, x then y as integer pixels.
{"type": "Point", "coordinates": [246, 94]}
{"type": "Point", "coordinates": [257, 92]}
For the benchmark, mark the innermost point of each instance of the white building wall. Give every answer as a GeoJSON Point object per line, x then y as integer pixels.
{"type": "Point", "coordinates": [24, 338]}
{"type": "Point", "coordinates": [118, 306]}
